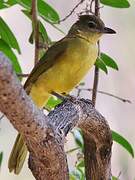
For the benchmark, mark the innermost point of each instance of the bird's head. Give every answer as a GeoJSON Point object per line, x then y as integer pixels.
{"type": "Point", "coordinates": [90, 27]}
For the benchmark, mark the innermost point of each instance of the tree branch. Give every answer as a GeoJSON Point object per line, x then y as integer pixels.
{"type": "Point", "coordinates": [102, 92]}
{"type": "Point", "coordinates": [44, 142]}
{"type": "Point", "coordinates": [95, 85]}
{"type": "Point", "coordinates": [45, 135]}
{"type": "Point", "coordinates": [72, 11]}
{"type": "Point", "coordinates": [35, 23]}
{"type": "Point", "coordinates": [22, 75]}
{"type": "Point", "coordinates": [97, 150]}
{"type": "Point", "coordinates": [96, 73]}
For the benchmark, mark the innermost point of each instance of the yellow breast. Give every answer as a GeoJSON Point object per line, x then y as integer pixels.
{"type": "Point", "coordinates": [69, 70]}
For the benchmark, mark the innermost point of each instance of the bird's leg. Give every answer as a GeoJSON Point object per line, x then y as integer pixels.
{"type": "Point", "coordinates": [69, 97]}
{"type": "Point", "coordinates": [63, 96]}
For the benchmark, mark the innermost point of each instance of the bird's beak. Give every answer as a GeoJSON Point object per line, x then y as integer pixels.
{"type": "Point", "coordinates": [109, 31]}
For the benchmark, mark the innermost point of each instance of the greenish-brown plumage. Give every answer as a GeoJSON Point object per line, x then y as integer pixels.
{"type": "Point", "coordinates": [60, 70]}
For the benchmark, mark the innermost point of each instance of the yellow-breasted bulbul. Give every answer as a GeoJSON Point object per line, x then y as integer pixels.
{"type": "Point", "coordinates": [62, 67]}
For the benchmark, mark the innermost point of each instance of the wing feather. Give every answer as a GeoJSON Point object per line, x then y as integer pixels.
{"type": "Point", "coordinates": [46, 62]}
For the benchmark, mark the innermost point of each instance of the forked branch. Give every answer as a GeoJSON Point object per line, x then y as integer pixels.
{"type": "Point", "coordinates": [45, 135]}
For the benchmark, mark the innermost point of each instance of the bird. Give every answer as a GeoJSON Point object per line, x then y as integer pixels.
{"type": "Point", "coordinates": [61, 68]}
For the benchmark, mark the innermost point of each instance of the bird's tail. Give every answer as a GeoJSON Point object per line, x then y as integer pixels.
{"type": "Point", "coordinates": [19, 151]}
{"type": "Point", "coordinates": [18, 155]}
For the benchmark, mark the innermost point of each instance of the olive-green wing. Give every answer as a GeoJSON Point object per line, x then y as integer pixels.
{"type": "Point", "coordinates": [46, 62]}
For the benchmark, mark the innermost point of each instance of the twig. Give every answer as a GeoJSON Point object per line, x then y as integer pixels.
{"type": "Point", "coordinates": [96, 74]}
{"type": "Point", "coordinates": [88, 8]}
{"type": "Point", "coordinates": [97, 7]}
{"type": "Point", "coordinates": [35, 23]}
{"type": "Point", "coordinates": [22, 75]}
{"type": "Point", "coordinates": [44, 46]}
{"type": "Point", "coordinates": [117, 97]}
{"type": "Point", "coordinates": [71, 150]}
{"type": "Point", "coordinates": [1, 117]}
{"type": "Point", "coordinates": [91, 3]}
{"type": "Point", "coordinates": [103, 92]}
{"type": "Point", "coordinates": [95, 85]}
{"type": "Point", "coordinates": [72, 11]}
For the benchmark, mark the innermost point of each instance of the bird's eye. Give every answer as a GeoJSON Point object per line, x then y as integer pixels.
{"type": "Point", "coordinates": [92, 24]}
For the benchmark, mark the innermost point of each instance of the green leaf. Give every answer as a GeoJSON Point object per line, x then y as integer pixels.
{"type": "Point", "coordinates": [43, 33]}
{"type": "Point", "coordinates": [116, 3]}
{"type": "Point", "coordinates": [11, 3]}
{"type": "Point", "coordinates": [101, 65]}
{"type": "Point", "coordinates": [7, 4]}
{"type": "Point", "coordinates": [123, 142]}
{"type": "Point", "coordinates": [114, 178]}
{"type": "Point", "coordinates": [79, 172]}
{"type": "Point", "coordinates": [31, 38]}
{"type": "Point", "coordinates": [78, 138]}
{"type": "Point", "coordinates": [82, 84]}
{"type": "Point", "coordinates": [47, 12]}
{"type": "Point", "coordinates": [52, 102]}
{"type": "Point", "coordinates": [4, 47]}
{"type": "Point", "coordinates": [72, 177]}
{"type": "Point", "coordinates": [27, 13]}
{"type": "Point", "coordinates": [44, 9]}
{"type": "Point", "coordinates": [1, 157]}
{"type": "Point", "coordinates": [77, 175]}
{"type": "Point", "coordinates": [44, 38]}
{"type": "Point", "coordinates": [7, 35]}
{"type": "Point", "coordinates": [2, 5]}
{"type": "Point", "coordinates": [108, 61]}
{"type": "Point", "coordinates": [80, 164]}
{"type": "Point", "coordinates": [27, 5]}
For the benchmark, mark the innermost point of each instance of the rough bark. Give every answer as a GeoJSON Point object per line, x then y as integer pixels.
{"type": "Point", "coordinates": [45, 135]}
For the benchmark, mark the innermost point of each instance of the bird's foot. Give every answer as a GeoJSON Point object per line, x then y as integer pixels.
{"type": "Point", "coordinates": [69, 97]}
{"type": "Point", "coordinates": [63, 96]}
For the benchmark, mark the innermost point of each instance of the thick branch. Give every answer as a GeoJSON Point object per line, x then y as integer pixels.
{"type": "Point", "coordinates": [96, 133]}
{"type": "Point", "coordinates": [97, 144]}
{"type": "Point", "coordinates": [45, 144]}
{"type": "Point", "coordinates": [44, 135]}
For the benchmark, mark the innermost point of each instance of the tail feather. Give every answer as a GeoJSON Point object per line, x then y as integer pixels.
{"type": "Point", "coordinates": [19, 151]}
{"type": "Point", "coordinates": [18, 155]}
